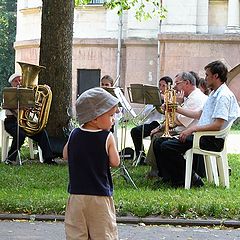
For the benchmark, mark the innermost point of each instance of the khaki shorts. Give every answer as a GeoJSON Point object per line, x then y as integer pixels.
{"type": "Point", "coordinates": [90, 218]}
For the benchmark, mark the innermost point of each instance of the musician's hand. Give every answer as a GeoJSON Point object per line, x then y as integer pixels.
{"type": "Point", "coordinates": [180, 96]}
{"type": "Point", "coordinates": [185, 133]}
{"type": "Point", "coordinates": [155, 130]}
{"type": "Point", "coordinates": [172, 125]}
{"type": "Point", "coordinates": [172, 106]}
{"type": "Point", "coordinates": [163, 107]}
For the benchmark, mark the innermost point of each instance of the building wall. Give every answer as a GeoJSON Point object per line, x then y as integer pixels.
{"type": "Point", "coordinates": [97, 54]}
{"type": "Point", "coordinates": [192, 35]}
{"type": "Point", "coordinates": [184, 52]}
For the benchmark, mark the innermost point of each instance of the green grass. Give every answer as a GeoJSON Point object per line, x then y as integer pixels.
{"type": "Point", "coordinates": [236, 125]}
{"type": "Point", "coordinates": [36, 188]}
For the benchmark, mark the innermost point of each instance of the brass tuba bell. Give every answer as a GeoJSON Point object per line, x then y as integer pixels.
{"type": "Point", "coordinates": [33, 120]}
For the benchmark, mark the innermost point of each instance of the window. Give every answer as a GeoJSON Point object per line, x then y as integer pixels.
{"type": "Point", "coordinates": [96, 2]}
{"type": "Point", "coordinates": [30, 4]}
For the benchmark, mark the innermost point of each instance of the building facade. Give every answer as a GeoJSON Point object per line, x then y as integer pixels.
{"type": "Point", "coordinates": [194, 33]}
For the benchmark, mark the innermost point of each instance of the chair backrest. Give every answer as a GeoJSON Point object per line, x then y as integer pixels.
{"type": "Point", "coordinates": [224, 132]}
{"type": "Point", "coordinates": [2, 117]}
{"type": "Point", "coordinates": [2, 114]}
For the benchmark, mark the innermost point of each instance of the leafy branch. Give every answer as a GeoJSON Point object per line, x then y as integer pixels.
{"type": "Point", "coordinates": [144, 9]}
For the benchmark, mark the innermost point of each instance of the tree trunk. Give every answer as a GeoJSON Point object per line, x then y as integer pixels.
{"type": "Point", "coordinates": [56, 56]}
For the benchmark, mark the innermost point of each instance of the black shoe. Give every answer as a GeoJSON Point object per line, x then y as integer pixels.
{"type": "Point", "coordinates": [196, 181]}
{"type": "Point", "coordinates": [152, 174]}
{"type": "Point", "coordinates": [50, 162]}
{"type": "Point", "coordinates": [229, 171]}
{"type": "Point", "coordinates": [142, 161]}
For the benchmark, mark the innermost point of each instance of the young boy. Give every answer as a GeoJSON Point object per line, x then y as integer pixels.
{"type": "Point", "coordinates": [91, 151]}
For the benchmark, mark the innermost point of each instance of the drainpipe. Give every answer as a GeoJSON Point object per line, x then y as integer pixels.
{"type": "Point", "coordinates": [120, 24]}
{"type": "Point", "coordinates": [159, 47]}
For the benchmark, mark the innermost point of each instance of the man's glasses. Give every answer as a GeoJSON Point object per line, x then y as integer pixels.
{"type": "Point", "coordinates": [177, 83]}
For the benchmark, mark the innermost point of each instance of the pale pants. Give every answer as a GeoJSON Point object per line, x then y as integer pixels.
{"type": "Point", "coordinates": [90, 217]}
{"type": "Point", "coordinates": [150, 158]}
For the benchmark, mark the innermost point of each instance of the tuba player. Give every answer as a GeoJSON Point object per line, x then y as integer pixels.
{"type": "Point", "coordinates": [11, 126]}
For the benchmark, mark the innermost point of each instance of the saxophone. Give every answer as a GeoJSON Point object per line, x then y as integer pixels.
{"type": "Point", "coordinates": [34, 120]}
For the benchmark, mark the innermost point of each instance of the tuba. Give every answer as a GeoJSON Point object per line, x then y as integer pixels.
{"type": "Point", "coordinates": [170, 110]}
{"type": "Point", "coordinates": [33, 120]}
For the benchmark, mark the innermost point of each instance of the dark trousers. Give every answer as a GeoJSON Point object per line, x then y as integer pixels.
{"type": "Point", "coordinates": [41, 138]}
{"type": "Point", "coordinates": [169, 155]}
{"type": "Point", "coordinates": [136, 134]}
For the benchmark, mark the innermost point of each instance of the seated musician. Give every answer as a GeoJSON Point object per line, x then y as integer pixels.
{"type": "Point", "coordinates": [220, 109]}
{"type": "Point", "coordinates": [193, 98]}
{"type": "Point", "coordinates": [106, 81]}
{"type": "Point", "coordinates": [11, 126]}
{"type": "Point", "coordinates": [151, 122]}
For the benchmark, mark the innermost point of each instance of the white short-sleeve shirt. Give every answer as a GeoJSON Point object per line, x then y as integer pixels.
{"type": "Point", "coordinates": [195, 101]}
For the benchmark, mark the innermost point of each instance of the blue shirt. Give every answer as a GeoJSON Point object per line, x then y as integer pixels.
{"type": "Point", "coordinates": [222, 104]}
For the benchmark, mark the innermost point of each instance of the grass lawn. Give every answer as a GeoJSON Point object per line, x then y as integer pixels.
{"type": "Point", "coordinates": [36, 188]}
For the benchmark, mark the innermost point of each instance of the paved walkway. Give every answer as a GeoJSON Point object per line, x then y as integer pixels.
{"type": "Point", "coordinates": [233, 143]}
{"type": "Point", "coordinates": [19, 230]}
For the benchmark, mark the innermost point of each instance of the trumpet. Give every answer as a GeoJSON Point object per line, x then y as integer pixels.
{"type": "Point", "coordinates": [170, 101]}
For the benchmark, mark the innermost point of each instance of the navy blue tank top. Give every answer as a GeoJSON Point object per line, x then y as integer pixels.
{"type": "Point", "coordinates": [88, 161]}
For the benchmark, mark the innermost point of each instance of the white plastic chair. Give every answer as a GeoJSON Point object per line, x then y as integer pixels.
{"type": "Point", "coordinates": [216, 163]}
{"type": "Point", "coordinates": [6, 140]}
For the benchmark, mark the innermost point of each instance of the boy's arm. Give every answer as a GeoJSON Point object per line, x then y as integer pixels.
{"type": "Point", "coordinates": [114, 159]}
{"type": "Point", "coordinates": [65, 152]}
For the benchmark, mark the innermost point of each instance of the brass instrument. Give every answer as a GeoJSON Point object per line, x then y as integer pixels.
{"type": "Point", "coordinates": [170, 110]}
{"type": "Point", "coordinates": [33, 120]}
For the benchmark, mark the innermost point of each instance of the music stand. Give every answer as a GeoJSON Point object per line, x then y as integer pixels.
{"type": "Point", "coordinates": [18, 98]}
{"type": "Point", "coordinates": [127, 110]}
{"type": "Point", "coordinates": [110, 90]}
{"type": "Point", "coordinates": [143, 94]}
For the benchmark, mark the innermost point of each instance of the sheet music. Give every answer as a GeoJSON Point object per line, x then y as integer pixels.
{"type": "Point", "coordinates": [144, 94]}
{"type": "Point", "coordinates": [125, 104]}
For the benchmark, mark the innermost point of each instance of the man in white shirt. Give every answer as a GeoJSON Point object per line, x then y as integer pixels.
{"type": "Point", "coordinates": [193, 98]}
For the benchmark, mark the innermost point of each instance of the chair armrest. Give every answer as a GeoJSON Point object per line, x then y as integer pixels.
{"type": "Point", "coordinates": [198, 135]}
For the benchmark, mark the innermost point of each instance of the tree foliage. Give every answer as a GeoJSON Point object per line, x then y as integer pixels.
{"type": "Point", "coordinates": [144, 9]}
{"type": "Point", "coordinates": [8, 10]}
